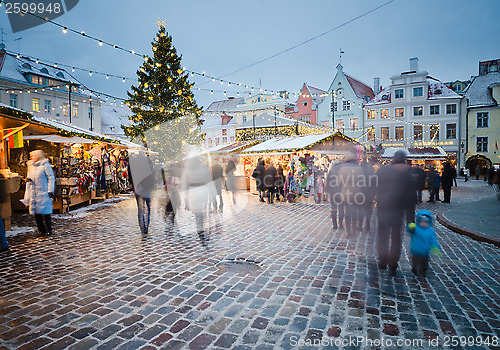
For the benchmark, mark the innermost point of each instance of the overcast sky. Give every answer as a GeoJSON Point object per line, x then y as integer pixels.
{"type": "Point", "coordinates": [449, 37]}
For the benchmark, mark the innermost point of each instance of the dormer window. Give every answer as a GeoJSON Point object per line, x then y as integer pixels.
{"type": "Point", "coordinates": [60, 75]}
{"type": "Point", "coordinates": [26, 66]}
{"type": "Point", "coordinates": [438, 92]}
{"type": "Point", "coordinates": [385, 97]}
{"type": "Point", "coordinates": [44, 70]}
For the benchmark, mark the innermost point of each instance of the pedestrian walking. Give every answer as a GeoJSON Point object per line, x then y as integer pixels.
{"type": "Point", "coordinates": [447, 181]}
{"type": "Point", "coordinates": [171, 184]}
{"type": "Point", "coordinates": [271, 181]}
{"type": "Point", "coordinates": [4, 244]}
{"type": "Point", "coordinates": [455, 175]}
{"type": "Point", "coordinates": [466, 174]}
{"type": "Point", "coordinates": [411, 204]}
{"type": "Point", "coordinates": [332, 189]}
{"type": "Point", "coordinates": [369, 194]}
{"type": "Point", "coordinates": [432, 176]}
{"type": "Point", "coordinates": [421, 176]}
{"type": "Point", "coordinates": [423, 241]}
{"type": "Point", "coordinates": [280, 190]}
{"type": "Point", "coordinates": [142, 181]}
{"type": "Point", "coordinates": [478, 172]}
{"type": "Point", "coordinates": [230, 179]}
{"type": "Point", "coordinates": [393, 192]}
{"type": "Point", "coordinates": [40, 187]}
{"type": "Point", "coordinates": [217, 176]}
{"type": "Point", "coordinates": [258, 174]}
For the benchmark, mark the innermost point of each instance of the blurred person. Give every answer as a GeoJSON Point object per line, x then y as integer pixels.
{"type": "Point", "coordinates": [485, 173]}
{"type": "Point", "coordinates": [171, 182]}
{"type": "Point", "coordinates": [230, 179]}
{"type": "Point", "coordinates": [466, 174]}
{"type": "Point", "coordinates": [432, 184]}
{"type": "Point", "coordinates": [143, 182]}
{"type": "Point", "coordinates": [423, 241]}
{"type": "Point", "coordinates": [40, 187]}
{"type": "Point", "coordinates": [478, 172]}
{"type": "Point", "coordinates": [217, 176]}
{"type": "Point", "coordinates": [447, 181]}
{"type": "Point", "coordinates": [420, 185]}
{"type": "Point", "coordinates": [280, 185]}
{"type": "Point", "coordinates": [332, 189]}
{"type": "Point", "coordinates": [4, 245]}
{"type": "Point", "coordinates": [455, 175]}
{"type": "Point", "coordinates": [369, 193]}
{"type": "Point", "coordinates": [258, 174]}
{"type": "Point", "coordinates": [270, 181]}
{"type": "Point", "coordinates": [393, 192]}
{"type": "Point", "coordinates": [413, 198]}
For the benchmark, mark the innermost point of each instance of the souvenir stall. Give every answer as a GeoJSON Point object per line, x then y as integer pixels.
{"type": "Point", "coordinates": [423, 156]}
{"type": "Point", "coordinates": [305, 161]}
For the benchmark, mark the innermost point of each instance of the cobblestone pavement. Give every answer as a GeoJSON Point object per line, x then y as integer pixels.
{"type": "Point", "coordinates": [286, 279]}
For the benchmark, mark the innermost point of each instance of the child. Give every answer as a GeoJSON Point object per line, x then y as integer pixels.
{"type": "Point", "coordinates": [423, 240]}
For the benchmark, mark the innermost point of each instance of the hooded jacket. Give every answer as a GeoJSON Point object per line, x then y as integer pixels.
{"type": "Point", "coordinates": [42, 182]}
{"type": "Point", "coordinates": [423, 239]}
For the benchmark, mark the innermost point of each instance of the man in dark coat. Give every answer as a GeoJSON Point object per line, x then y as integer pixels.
{"type": "Point", "coordinates": [393, 192]}
{"type": "Point", "coordinates": [258, 174]}
{"type": "Point", "coordinates": [271, 180]}
{"type": "Point", "coordinates": [447, 181]}
{"type": "Point", "coordinates": [420, 173]}
{"type": "Point", "coordinates": [412, 202]}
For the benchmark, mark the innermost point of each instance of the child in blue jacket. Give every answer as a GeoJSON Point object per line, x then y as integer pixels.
{"type": "Point", "coordinates": [423, 240]}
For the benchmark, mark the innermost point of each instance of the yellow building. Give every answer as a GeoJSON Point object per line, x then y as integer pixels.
{"type": "Point", "coordinates": [483, 118]}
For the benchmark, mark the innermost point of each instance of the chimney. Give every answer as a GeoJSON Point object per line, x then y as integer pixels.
{"type": "Point", "coordinates": [376, 85]}
{"type": "Point", "coordinates": [414, 64]}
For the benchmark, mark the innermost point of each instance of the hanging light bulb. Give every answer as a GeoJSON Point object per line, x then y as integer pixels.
{"type": "Point", "coordinates": [123, 79]}
{"type": "Point", "coordinates": [65, 30]}
{"type": "Point", "coordinates": [107, 76]}
{"type": "Point", "coordinates": [55, 65]}
{"type": "Point", "coordinates": [100, 43]}
{"type": "Point", "coordinates": [132, 52]}
{"type": "Point", "coordinates": [36, 60]}
{"type": "Point", "coordinates": [82, 33]}
{"type": "Point", "coordinates": [90, 73]}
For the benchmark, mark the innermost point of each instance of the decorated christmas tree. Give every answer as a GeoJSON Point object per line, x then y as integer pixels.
{"type": "Point", "coordinates": [162, 102]}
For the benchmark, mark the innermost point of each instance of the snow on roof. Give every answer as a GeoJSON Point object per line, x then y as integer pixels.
{"type": "Point", "coordinates": [214, 121]}
{"type": "Point", "coordinates": [412, 152]}
{"type": "Point", "coordinates": [477, 92]}
{"type": "Point", "coordinates": [438, 89]}
{"type": "Point", "coordinates": [266, 121]}
{"type": "Point", "coordinates": [316, 94]}
{"type": "Point", "coordinates": [287, 143]}
{"type": "Point", "coordinates": [225, 105]}
{"type": "Point", "coordinates": [113, 116]}
{"type": "Point", "coordinates": [360, 89]}
{"type": "Point", "coordinates": [384, 96]}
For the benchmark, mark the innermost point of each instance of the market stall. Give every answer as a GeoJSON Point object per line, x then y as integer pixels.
{"type": "Point", "coordinates": [423, 156]}
{"type": "Point", "coordinates": [305, 161]}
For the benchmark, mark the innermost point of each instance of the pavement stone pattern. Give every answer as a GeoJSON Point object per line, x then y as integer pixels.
{"type": "Point", "coordinates": [98, 284]}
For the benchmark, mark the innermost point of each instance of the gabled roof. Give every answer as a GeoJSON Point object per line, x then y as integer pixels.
{"type": "Point", "coordinates": [360, 89]}
{"type": "Point", "coordinates": [316, 94]}
{"type": "Point", "coordinates": [478, 94]}
{"type": "Point", "coordinates": [266, 121]}
{"type": "Point", "coordinates": [225, 105]}
{"type": "Point", "coordinates": [379, 98]}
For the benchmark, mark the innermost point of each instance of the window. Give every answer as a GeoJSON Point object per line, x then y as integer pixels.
{"type": "Point", "coordinates": [417, 132]}
{"type": "Point", "coordinates": [434, 110]}
{"type": "Point", "coordinates": [399, 93]}
{"type": "Point", "coordinates": [304, 103]}
{"type": "Point", "coordinates": [74, 111]}
{"type": "Point", "coordinates": [340, 124]}
{"type": "Point", "coordinates": [48, 106]}
{"type": "Point", "coordinates": [418, 92]}
{"type": "Point", "coordinates": [65, 109]}
{"type": "Point", "coordinates": [384, 133]}
{"type": "Point", "coordinates": [244, 118]}
{"type": "Point", "coordinates": [371, 135]}
{"type": "Point", "coordinates": [370, 114]}
{"type": "Point", "coordinates": [210, 142]}
{"type": "Point", "coordinates": [224, 139]}
{"type": "Point", "coordinates": [451, 109]}
{"type": "Point", "coordinates": [44, 70]}
{"type": "Point", "coordinates": [451, 131]}
{"type": "Point", "coordinates": [36, 104]}
{"type": "Point", "coordinates": [418, 111]}
{"type": "Point", "coordinates": [354, 124]}
{"type": "Point", "coordinates": [434, 132]}
{"type": "Point", "coordinates": [224, 132]}
{"type": "Point", "coordinates": [482, 119]}
{"type": "Point", "coordinates": [231, 139]}
{"type": "Point", "coordinates": [346, 105]}
{"type": "Point", "coordinates": [35, 79]}
{"type": "Point", "coordinates": [399, 112]}
{"type": "Point", "coordinates": [384, 113]}
{"type": "Point", "coordinates": [333, 107]}
{"type": "Point", "coordinates": [457, 87]}
{"type": "Point", "coordinates": [217, 141]}
{"type": "Point", "coordinates": [13, 100]}
{"type": "Point", "coordinates": [400, 132]}
{"type": "Point", "coordinates": [326, 124]}
{"type": "Point", "coordinates": [482, 144]}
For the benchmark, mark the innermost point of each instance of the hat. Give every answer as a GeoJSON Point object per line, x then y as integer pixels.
{"type": "Point", "coordinates": [399, 157]}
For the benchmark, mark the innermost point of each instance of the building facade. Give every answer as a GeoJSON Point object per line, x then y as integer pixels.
{"type": "Point", "coordinates": [417, 110]}
{"type": "Point", "coordinates": [342, 107]}
{"type": "Point", "coordinates": [483, 117]}
{"type": "Point", "coordinates": [47, 91]}
{"type": "Point", "coordinates": [306, 107]}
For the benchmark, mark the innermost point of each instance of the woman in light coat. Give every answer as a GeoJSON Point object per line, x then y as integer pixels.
{"type": "Point", "coordinates": [40, 190]}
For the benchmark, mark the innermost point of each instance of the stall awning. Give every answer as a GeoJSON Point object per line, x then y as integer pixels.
{"type": "Point", "coordinates": [288, 144]}
{"type": "Point", "coordinates": [263, 154]}
{"type": "Point", "coordinates": [58, 139]}
{"type": "Point", "coordinates": [417, 153]}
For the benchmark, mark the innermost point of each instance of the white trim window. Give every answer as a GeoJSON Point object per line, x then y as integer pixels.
{"type": "Point", "coordinates": [384, 113]}
{"type": "Point", "coordinates": [418, 132]}
{"type": "Point", "coordinates": [36, 104]}
{"type": "Point", "coordinates": [418, 111]}
{"type": "Point", "coordinates": [13, 100]}
{"type": "Point", "coordinates": [482, 144]}
{"type": "Point", "coordinates": [418, 91]}
{"type": "Point", "coordinates": [399, 93]}
{"type": "Point", "coordinates": [451, 108]}
{"type": "Point", "coordinates": [434, 110]}
{"type": "Point", "coordinates": [48, 106]}
{"type": "Point", "coordinates": [384, 133]}
{"type": "Point", "coordinates": [370, 114]}
{"type": "Point", "coordinates": [346, 105]}
{"type": "Point", "coordinates": [399, 132]}
{"type": "Point", "coordinates": [399, 112]}
{"type": "Point", "coordinates": [354, 124]}
{"type": "Point", "coordinates": [340, 124]}
{"type": "Point", "coordinates": [482, 119]}
{"type": "Point", "coordinates": [451, 131]}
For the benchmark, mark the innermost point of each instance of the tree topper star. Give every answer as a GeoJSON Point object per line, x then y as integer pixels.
{"type": "Point", "coordinates": [160, 23]}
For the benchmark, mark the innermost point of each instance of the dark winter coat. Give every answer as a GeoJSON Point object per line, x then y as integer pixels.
{"type": "Point", "coordinates": [447, 176]}
{"type": "Point", "coordinates": [217, 174]}
{"type": "Point", "coordinates": [394, 191]}
{"type": "Point", "coordinates": [271, 179]}
{"type": "Point", "coordinates": [258, 174]}
{"type": "Point", "coordinates": [420, 178]}
{"type": "Point", "coordinates": [281, 177]}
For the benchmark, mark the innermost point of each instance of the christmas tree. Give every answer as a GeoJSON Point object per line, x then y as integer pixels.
{"type": "Point", "coordinates": [162, 102]}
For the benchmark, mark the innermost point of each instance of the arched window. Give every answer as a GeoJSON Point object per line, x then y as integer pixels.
{"type": "Point", "coordinates": [26, 66]}
{"type": "Point", "coordinates": [60, 75]}
{"type": "Point", "coordinates": [44, 70]}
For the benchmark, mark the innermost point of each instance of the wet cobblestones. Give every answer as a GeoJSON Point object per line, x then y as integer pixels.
{"type": "Point", "coordinates": [97, 284]}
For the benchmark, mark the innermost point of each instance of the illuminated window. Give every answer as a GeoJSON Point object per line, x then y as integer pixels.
{"type": "Point", "coordinates": [340, 124]}
{"type": "Point", "coordinates": [65, 109]}
{"type": "Point", "coordinates": [418, 111]}
{"type": "Point", "coordinates": [417, 132]}
{"type": "Point", "coordinates": [482, 144]}
{"type": "Point", "coordinates": [35, 79]}
{"type": "Point", "coordinates": [370, 114]}
{"type": "Point", "coordinates": [434, 134]}
{"type": "Point", "coordinates": [231, 139]}
{"type": "Point", "coordinates": [400, 132]}
{"type": "Point", "coordinates": [384, 133]}
{"type": "Point", "coordinates": [399, 112]}
{"type": "Point", "coordinates": [224, 132]}
{"type": "Point", "coordinates": [371, 135]}
{"type": "Point", "coordinates": [384, 113]}
{"type": "Point", "coordinates": [74, 111]}
{"type": "Point", "coordinates": [36, 105]}
{"type": "Point", "coordinates": [451, 131]}
{"type": "Point", "coordinates": [224, 139]}
{"type": "Point", "coordinates": [354, 124]}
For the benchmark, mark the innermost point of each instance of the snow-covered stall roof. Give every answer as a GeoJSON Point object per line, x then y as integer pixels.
{"type": "Point", "coordinates": [416, 153]}
{"type": "Point", "coordinates": [288, 143]}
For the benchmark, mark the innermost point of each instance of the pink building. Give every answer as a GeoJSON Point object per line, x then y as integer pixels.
{"type": "Point", "coordinates": [306, 107]}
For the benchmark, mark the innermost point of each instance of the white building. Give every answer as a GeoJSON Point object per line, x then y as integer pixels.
{"type": "Point", "coordinates": [114, 115]}
{"type": "Point", "coordinates": [47, 91]}
{"type": "Point", "coordinates": [343, 104]}
{"type": "Point", "coordinates": [416, 110]}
